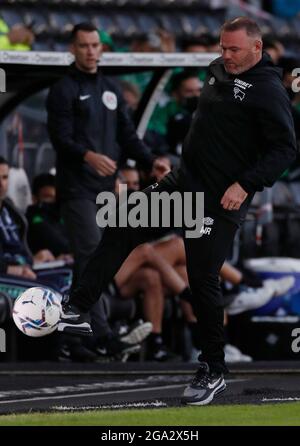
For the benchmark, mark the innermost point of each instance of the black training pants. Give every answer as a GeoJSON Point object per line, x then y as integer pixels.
{"type": "Point", "coordinates": [205, 256]}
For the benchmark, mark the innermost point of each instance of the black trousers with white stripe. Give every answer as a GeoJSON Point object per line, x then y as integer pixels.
{"type": "Point", "coordinates": [204, 255]}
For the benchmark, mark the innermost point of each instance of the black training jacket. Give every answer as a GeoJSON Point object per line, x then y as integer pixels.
{"type": "Point", "coordinates": [87, 112]}
{"type": "Point", "coordinates": [242, 131]}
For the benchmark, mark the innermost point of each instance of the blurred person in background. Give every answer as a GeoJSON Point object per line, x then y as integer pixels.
{"type": "Point", "coordinates": [273, 47]}
{"type": "Point", "coordinates": [185, 92]}
{"type": "Point", "coordinates": [131, 94]}
{"type": "Point", "coordinates": [90, 134]}
{"type": "Point", "coordinates": [46, 229]}
{"type": "Point", "coordinates": [18, 37]}
{"type": "Point", "coordinates": [205, 43]}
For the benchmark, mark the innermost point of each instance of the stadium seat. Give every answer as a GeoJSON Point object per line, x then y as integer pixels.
{"type": "Point", "coordinates": [212, 23]}
{"type": "Point", "coordinates": [45, 45]}
{"type": "Point", "coordinates": [171, 22]}
{"type": "Point", "coordinates": [79, 17]}
{"type": "Point", "coordinates": [126, 24]}
{"type": "Point", "coordinates": [11, 16]}
{"type": "Point", "coordinates": [60, 46]}
{"type": "Point", "coordinates": [37, 21]}
{"type": "Point", "coordinates": [148, 23]}
{"type": "Point", "coordinates": [280, 27]}
{"type": "Point", "coordinates": [105, 22]}
{"type": "Point", "coordinates": [45, 159]}
{"type": "Point", "coordinates": [195, 24]}
{"type": "Point", "coordinates": [60, 23]}
{"type": "Point", "coordinates": [30, 152]}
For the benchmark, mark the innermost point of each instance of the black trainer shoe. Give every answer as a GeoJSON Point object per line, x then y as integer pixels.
{"type": "Point", "coordinates": [73, 321]}
{"type": "Point", "coordinates": [158, 351]}
{"type": "Point", "coordinates": [114, 348]}
{"type": "Point", "coordinates": [76, 353]}
{"type": "Point", "coordinates": [204, 387]}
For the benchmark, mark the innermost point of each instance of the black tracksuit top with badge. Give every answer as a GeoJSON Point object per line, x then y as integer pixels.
{"type": "Point", "coordinates": [87, 112]}
{"type": "Point", "coordinates": [242, 131]}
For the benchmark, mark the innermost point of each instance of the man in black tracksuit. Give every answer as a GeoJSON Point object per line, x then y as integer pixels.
{"type": "Point", "coordinates": [241, 140]}
{"type": "Point", "coordinates": [91, 133]}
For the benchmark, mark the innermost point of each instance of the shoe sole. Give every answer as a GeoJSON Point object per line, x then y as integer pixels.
{"type": "Point", "coordinates": [208, 399]}
{"type": "Point", "coordinates": [138, 334]}
{"type": "Point", "coordinates": [70, 329]}
{"type": "Point", "coordinates": [124, 355]}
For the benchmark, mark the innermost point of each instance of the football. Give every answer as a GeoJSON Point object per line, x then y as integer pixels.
{"type": "Point", "coordinates": [37, 311]}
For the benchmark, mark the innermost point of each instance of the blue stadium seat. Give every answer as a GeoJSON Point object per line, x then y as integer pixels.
{"type": "Point", "coordinates": [126, 25]}
{"type": "Point", "coordinates": [60, 23]}
{"type": "Point", "coordinates": [37, 21]}
{"type": "Point", "coordinates": [212, 22]}
{"type": "Point", "coordinates": [194, 23]}
{"type": "Point", "coordinates": [280, 27]}
{"type": "Point", "coordinates": [11, 16]}
{"type": "Point", "coordinates": [105, 22]}
{"type": "Point", "coordinates": [79, 17]}
{"type": "Point", "coordinates": [45, 45]}
{"type": "Point", "coordinates": [171, 22]}
{"type": "Point", "coordinates": [147, 23]}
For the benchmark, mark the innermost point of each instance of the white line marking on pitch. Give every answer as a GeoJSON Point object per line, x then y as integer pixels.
{"type": "Point", "coordinates": [76, 395]}
{"type": "Point", "coordinates": [265, 400]}
{"type": "Point", "coordinates": [79, 395]}
{"type": "Point", "coordinates": [110, 406]}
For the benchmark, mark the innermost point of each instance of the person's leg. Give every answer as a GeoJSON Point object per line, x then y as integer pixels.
{"type": "Point", "coordinates": [171, 250]}
{"type": "Point", "coordinates": [231, 274]}
{"type": "Point", "coordinates": [147, 282]}
{"type": "Point", "coordinates": [114, 247]}
{"type": "Point", "coordinates": [84, 234]}
{"type": "Point", "coordinates": [205, 257]}
{"type": "Point", "coordinates": [147, 255]}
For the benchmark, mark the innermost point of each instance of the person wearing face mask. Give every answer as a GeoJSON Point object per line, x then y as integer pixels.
{"type": "Point", "coordinates": [187, 95]}
{"type": "Point", "coordinates": [171, 121]}
{"type": "Point", "coordinates": [46, 229]}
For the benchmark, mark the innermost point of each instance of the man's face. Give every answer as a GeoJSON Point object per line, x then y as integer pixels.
{"type": "Point", "coordinates": [4, 171]}
{"type": "Point", "coordinates": [46, 194]}
{"type": "Point", "coordinates": [240, 52]}
{"type": "Point", "coordinates": [189, 88]}
{"type": "Point", "coordinates": [87, 50]}
{"type": "Point", "coordinates": [131, 178]}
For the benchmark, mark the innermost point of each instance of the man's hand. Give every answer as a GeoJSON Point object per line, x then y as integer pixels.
{"type": "Point", "coordinates": [104, 165]}
{"type": "Point", "coordinates": [233, 197]}
{"type": "Point", "coordinates": [159, 169]}
{"type": "Point", "coordinates": [44, 255]}
{"type": "Point", "coordinates": [21, 271]}
{"type": "Point", "coordinates": [68, 258]}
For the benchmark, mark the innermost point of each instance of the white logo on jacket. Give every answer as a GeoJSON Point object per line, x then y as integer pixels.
{"type": "Point", "coordinates": [110, 100]}
{"type": "Point", "coordinates": [207, 221]}
{"type": "Point", "coordinates": [238, 94]}
{"type": "Point", "coordinates": [239, 89]}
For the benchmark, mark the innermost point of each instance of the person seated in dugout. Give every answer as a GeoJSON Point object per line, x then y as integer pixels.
{"type": "Point", "coordinates": [46, 229]}
{"type": "Point", "coordinates": [185, 92]}
{"type": "Point", "coordinates": [16, 257]}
